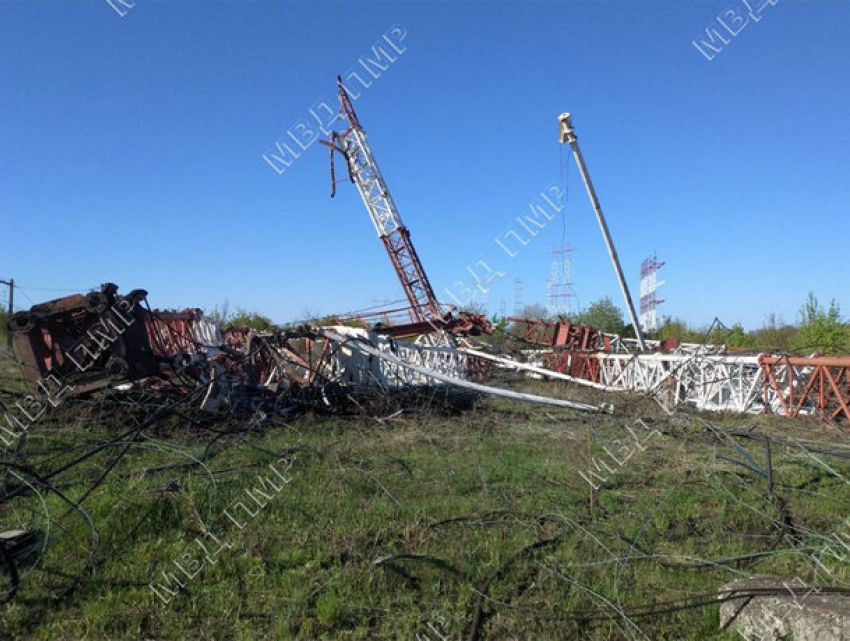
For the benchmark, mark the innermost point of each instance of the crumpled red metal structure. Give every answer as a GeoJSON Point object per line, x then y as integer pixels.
{"type": "Point", "coordinates": [561, 334]}
{"type": "Point", "coordinates": [85, 340]}
{"type": "Point", "coordinates": [89, 341]}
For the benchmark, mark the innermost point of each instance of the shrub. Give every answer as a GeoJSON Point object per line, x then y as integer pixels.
{"type": "Point", "coordinates": [821, 329]}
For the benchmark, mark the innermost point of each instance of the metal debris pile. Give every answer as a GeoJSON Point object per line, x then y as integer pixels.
{"type": "Point", "coordinates": [81, 343]}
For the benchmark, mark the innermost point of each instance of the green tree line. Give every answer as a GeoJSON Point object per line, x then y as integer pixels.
{"type": "Point", "coordinates": [818, 328]}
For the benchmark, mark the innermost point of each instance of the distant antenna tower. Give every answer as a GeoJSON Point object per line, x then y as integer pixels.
{"type": "Point", "coordinates": [517, 296]}
{"type": "Point", "coordinates": [503, 309]}
{"type": "Point", "coordinates": [649, 284]}
{"type": "Point", "coordinates": [559, 282]}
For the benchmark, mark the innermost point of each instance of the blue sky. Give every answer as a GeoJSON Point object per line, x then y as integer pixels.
{"type": "Point", "coordinates": [131, 150]}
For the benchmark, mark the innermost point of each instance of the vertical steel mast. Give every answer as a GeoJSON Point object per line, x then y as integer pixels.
{"type": "Point", "coordinates": [567, 134]}
{"type": "Point", "coordinates": [364, 172]}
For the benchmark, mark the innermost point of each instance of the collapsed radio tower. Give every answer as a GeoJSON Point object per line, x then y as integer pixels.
{"type": "Point", "coordinates": [649, 284]}
{"type": "Point", "coordinates": [363, 171]}
{"type": "Point", "coordinates": [426, 313]}
{"type": "Point", "coordinates": [559, 282]}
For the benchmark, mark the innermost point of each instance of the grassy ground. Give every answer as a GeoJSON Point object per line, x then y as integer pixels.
{"type": "Point", "coordinates": [420, 525]}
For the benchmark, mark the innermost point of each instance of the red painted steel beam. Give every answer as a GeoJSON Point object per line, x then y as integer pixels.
{"type": "Point", "coordinates": [822, 381]}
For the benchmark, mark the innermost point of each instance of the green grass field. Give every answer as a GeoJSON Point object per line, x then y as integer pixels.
{"type": "Point", "coordinates": [424, 525]}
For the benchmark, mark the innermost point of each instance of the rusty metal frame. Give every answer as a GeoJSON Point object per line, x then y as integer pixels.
{"type": "Point", "coordinates": [800, 382]}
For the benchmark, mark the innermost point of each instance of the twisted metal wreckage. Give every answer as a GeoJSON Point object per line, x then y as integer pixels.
{"type": "Point", "coordinates": [81, 343]}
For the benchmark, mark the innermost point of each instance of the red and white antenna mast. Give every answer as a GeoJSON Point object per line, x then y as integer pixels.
{"type": "Point", "coordinates": [649, 285]}
{"type": "Point", "coordinates": [364, 173]}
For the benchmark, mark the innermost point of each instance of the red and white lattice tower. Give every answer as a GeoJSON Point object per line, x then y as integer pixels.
{"type": "Point", "coordinates": [649, 284]}
{"type": "Point", "coordinates": [559, 282]}
{"type": "Point", "coordinates": [363, 171]}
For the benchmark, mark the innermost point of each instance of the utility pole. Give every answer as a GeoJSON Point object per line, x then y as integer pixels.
{"type": "Point", "coordinates": [567, 135]}
{"type": "Point", "coordinates": [11, 284]}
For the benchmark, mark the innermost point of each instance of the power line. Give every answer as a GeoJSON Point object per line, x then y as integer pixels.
{"type": "Point", "coordinates": [54, 289]}
{"type": "Point", "coordinates": [25, 295]}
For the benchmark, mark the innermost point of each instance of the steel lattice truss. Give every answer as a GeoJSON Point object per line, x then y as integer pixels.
{"type": "Point", "coordinates": [784, 385]}
{"type": "Point", "coordinates": [708, 382]}
{"type": "Point", "coordinates": [366, 175]}
{"type": "Point", "coordinates": [349, 366]}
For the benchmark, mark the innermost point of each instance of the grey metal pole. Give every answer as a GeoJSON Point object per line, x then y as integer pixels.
{"type": "Point", "coordinates": [568, 135]}
{"type": "Point", "coordinates": [11, 284]}
{"type": "Point", "coordinates": [11, 311]}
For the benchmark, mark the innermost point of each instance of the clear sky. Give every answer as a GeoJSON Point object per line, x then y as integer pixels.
{"type": "Point", "coordinates": [131, 149]}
